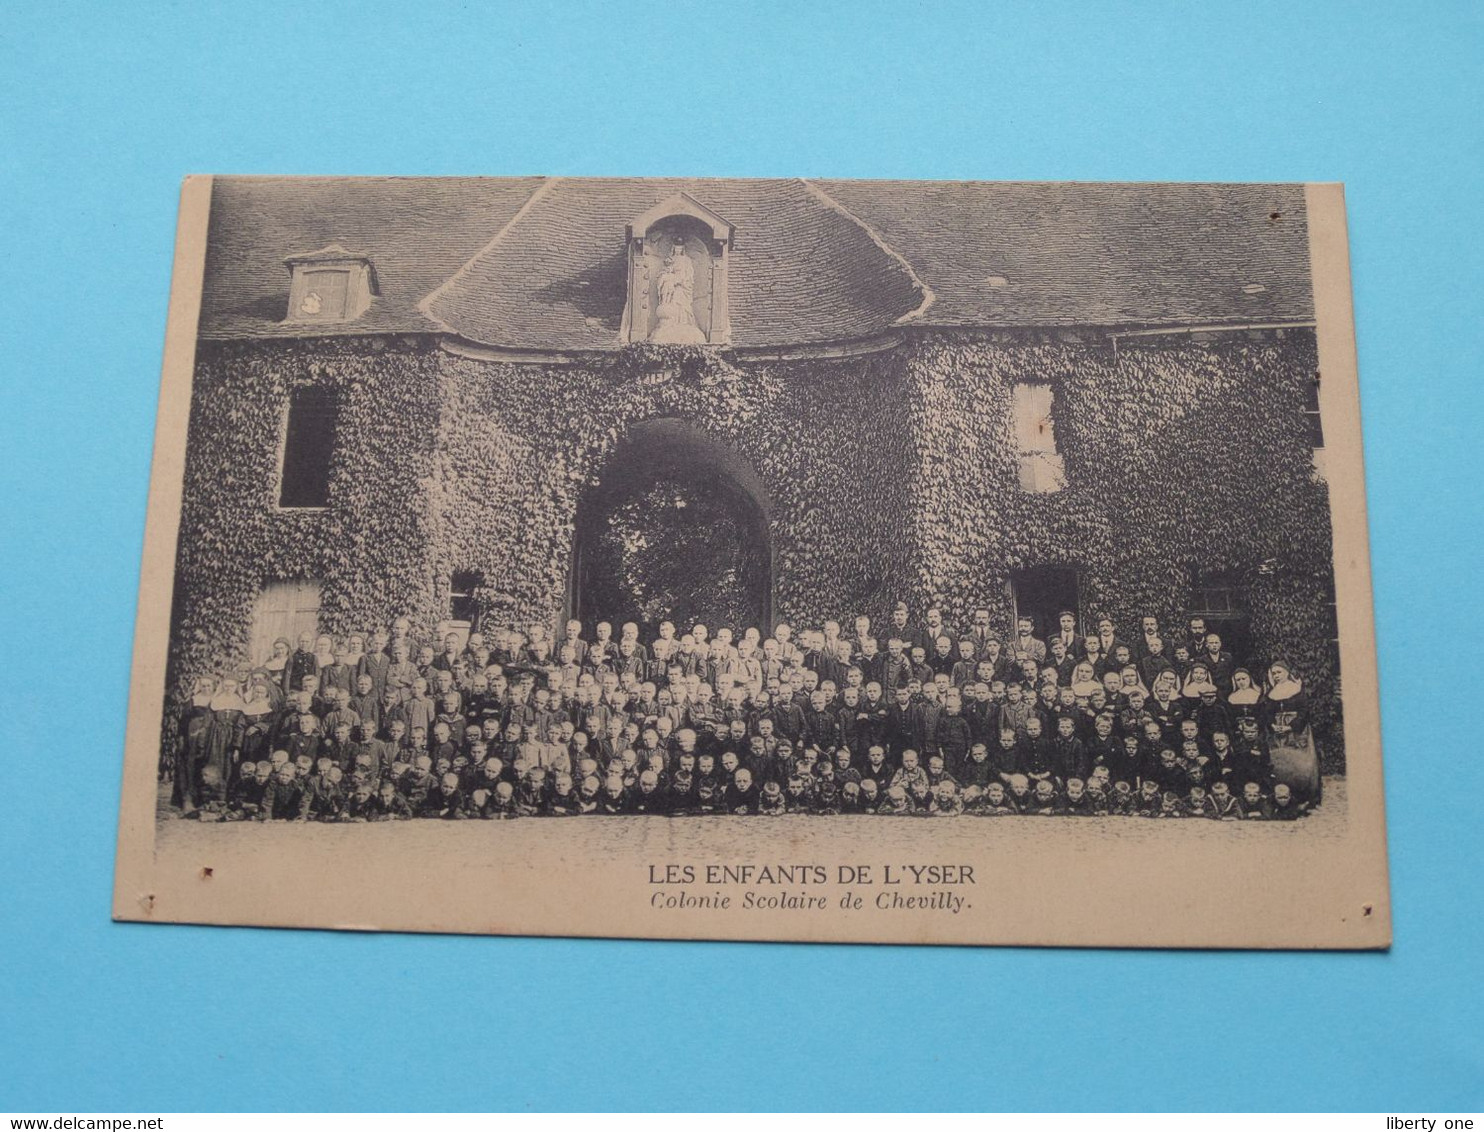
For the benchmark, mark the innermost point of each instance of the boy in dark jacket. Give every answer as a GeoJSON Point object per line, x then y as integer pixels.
{"type": "Point", "coordinates": [325, 799]}
{"type": "Point", "coordinates": [1250, 759]}
{"type": "Point", "coordinates": [445, 799]}
{"type": "Point", "coordinates": [1254, 803]}
{"type": "Point", "coordinates": [418, 783]}
{"type": "Point", "coordinates": [587, 794]}
{"type": "Point", "coordinates": [530, 792]}
{"type": "Point", "coordinates": [1045, 801]}
{"type": "Point", "coordinates": [1149, 799]}
{"type": "Point", "coordinates": [742, 793]}
{"type": "Point", "coordinates": [501, 802]}
{"type": "Point", "coordinates": [997, 802]}
{"type": "Point", "coordinates": [1069, 756]}
{"type": "Point", "coordinates": [302, 663]}
{"type": "Point", "coordinates": [614, 798]}
{"type": "Point", "coordinates": [340, 748]}
{"type": "Point", "coordinates": [771, 800]}
{"type": "Point", "coordinates": [563, 800]}
{"type": "Point", "coordinates": [1099, 804]}
{"type": "Point", "coordinates": [946, 800]}
{"type": "Point", "coordinates": [1198, 803]}
{"type": "Point", "coordinates": [797, 797]}
{"type": "Point", "coordinates": [246, 793]}
{"type": "Point", "coordinates": [951, 734]}
{"type": "Point", "coordinates": [306, 740]}
{"type": "Point", "coordinates": [1285, 807]}
{"type": "Point", "coordinates": [1076, 801]}
{"type": "Point", "coordinates": [285, 798]}
{"type": "Point", "coordinates": [1019, 792]}
{"type": "Point", "coordinates": [648, 797]}
{"type": "Point", "coordinates": [1224, 806]}
{"type": "Point", "coordinates": [1170, 806]}
{"type": "Point", "coordinates": [360, 804]}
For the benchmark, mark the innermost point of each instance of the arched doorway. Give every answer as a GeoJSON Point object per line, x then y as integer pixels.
{"type": "Point", "coordinates": [675, 529]}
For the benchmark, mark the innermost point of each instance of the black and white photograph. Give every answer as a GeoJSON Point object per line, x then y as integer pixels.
{"type": "Point", "coordinates": [669, 557]}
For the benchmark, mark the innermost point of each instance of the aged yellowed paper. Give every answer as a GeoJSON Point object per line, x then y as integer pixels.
{"type": "Point", "coordinates": [776, 559]}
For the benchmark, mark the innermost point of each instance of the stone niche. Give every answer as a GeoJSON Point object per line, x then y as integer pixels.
{"type": "Point", "coordinates": [677, 263]}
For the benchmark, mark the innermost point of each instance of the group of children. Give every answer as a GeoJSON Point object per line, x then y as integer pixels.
{"type": "Point", "coordinates": [936, 723]}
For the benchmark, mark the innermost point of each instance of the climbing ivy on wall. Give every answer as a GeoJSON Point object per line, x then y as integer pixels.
{"type": "Point", "coordinates": [368, 547]}
{"type": "Point", "coordinates": [1182, 455]}
{"type": "Point", "coordinates": [890, 476]}
{"type": "Point", "coordinates": [520, 444]}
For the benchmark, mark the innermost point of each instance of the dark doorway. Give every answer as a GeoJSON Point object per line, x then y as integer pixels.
{"type": "Point", "coordinates": [676, 529]}
{"type": "Point", "coordinates": [1042, 593]}
{"type": "Point", "coordinates": [1219, 598]}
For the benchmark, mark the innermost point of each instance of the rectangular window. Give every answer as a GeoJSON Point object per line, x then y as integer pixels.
{"type": "Point", "coordinates": [1315, 429]}
{"type": "Point", "coordinates": [463, 606]}
{"type": "Point", "coordinates": [1218, 597]}
{"type": "Point", "coordinates": [1332, 610]}
{"type": "Point", "coordinates": [309, 441]}
{"type": "Point", "coordinates": [1311, 415]}
{"type": "Point", "coordinates": [1041, 466]}
{"type": "Point", "coordinates": [1214, 596]}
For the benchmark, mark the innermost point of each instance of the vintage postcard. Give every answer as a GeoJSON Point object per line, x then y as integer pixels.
{"type": "Point", "coordinates": [921, 562]}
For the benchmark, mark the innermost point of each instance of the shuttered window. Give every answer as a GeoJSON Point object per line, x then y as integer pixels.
{"type": "Point", "coordinates": [1041, 466]}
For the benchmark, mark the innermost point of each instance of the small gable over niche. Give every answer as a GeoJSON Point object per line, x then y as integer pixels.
{"type": "Point", "coordinates": [677, 264]}
{"type": "Point", "coordinates": [329, 285]}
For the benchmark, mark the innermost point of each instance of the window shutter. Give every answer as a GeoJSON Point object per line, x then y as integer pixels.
{"type": "Point", "coordinates": [1041, 466]}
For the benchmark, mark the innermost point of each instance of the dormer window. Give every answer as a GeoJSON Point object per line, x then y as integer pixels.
{"type": "Point", "coordinates": [678, 275]}
{"type": "Point", "coordinates": [330, 285]}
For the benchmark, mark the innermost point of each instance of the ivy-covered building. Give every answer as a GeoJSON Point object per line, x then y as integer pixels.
{"type": "Point", "coordinates": [430, 398]}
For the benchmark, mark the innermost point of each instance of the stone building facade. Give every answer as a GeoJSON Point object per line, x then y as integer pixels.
{"type": "Point", "coordinates": [416, 397]}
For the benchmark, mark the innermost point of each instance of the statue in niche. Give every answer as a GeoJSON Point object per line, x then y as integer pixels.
{"type": "Point", "coordinates": [675, 306]}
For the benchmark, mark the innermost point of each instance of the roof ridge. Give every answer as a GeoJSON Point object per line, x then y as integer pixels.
{"type": "Point", "coordinates": [929, 297]}
{"type": "Point", "coordinates": [425, 304]}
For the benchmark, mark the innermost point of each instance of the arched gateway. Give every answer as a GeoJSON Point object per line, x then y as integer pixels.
{"type": "Point", "coordinates": [676, 528]}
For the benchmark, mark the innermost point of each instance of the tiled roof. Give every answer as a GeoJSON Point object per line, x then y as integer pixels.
{"type": "Point", "coordinates": [416, 231]}
{"type": "Point", "coordinates": [800, 270]}
{"type": "Point", "coordinates": [1095, 254]}
{"type": "Point", "coordinates": [533, 264]}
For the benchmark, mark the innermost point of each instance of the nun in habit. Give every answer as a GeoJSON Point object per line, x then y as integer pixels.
{"type": "Point", "coordinates": [277, 665]}
{"type": "Point", "coordinates": [1286, 726]}
{"type": "Point", "coordinates": [324, 653]}
{"type": "Point", "coordinates": [260, 716]}
{"type": "Point", "coordinates": [224, 731]}
{"type": "Point", "coordinates": [1245, 697]}
{"type": "Point", "coordinates": [190, 751]}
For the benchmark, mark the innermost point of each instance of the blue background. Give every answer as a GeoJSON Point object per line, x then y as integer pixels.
{"type": "Point", "coordinates": [103, 108]}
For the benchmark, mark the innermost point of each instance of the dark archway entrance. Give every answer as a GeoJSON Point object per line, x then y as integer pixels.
{"type": "Point", "coordinates": [675, 529]}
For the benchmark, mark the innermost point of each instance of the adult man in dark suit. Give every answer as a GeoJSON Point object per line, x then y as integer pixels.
{"type": "Point", "coordinates": [981, 633]}
{"type": "Point", "coordinates": [1026, 645]}
{"type": "Point", "coordinates": [1066, 633]}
